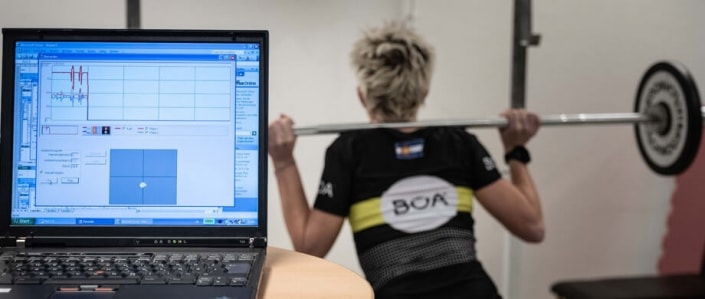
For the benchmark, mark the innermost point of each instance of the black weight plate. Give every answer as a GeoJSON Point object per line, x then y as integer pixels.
{"type": "Point", "coordinates": [669, 149]}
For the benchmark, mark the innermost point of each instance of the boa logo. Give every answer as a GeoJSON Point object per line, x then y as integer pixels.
{"type": "Point", "coordinates": [419, 203]}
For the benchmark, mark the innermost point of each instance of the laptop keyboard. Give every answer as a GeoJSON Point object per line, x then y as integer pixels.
{"type": "Point", "coordinates": [201, 269]}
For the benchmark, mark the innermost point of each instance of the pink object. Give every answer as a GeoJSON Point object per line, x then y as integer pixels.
{"type": "Point", "coordinates": [684, 242]}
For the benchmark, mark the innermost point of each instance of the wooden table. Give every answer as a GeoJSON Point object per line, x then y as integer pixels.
{"type": "Point", "coordinates": [290, 274]}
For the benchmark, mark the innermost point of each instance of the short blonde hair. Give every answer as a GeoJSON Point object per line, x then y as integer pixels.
{"type": "Point", "coordinates": [393, 65]}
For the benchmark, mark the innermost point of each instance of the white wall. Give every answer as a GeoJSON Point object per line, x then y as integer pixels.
{"type": "Point", "coordinates": [620, 219]}
{"type": "Point", "coordinates": [57, 14]}
{"type": "Point", "coordinates": [605, 210]}
{"type": "Point", "coordinates": [62, 14]}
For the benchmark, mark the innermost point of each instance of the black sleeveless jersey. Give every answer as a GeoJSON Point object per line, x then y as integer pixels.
{"type": "Point", "coordinates": [408, 197]}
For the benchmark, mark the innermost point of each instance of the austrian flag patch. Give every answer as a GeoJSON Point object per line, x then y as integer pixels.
{"type": "Point", "coordinates": [410, 149]}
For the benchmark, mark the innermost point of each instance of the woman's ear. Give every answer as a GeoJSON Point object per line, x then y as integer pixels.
{"type": "Point", "coordinates": [361, 97]}
{"type": "Point", "coordinates": [363, 102]}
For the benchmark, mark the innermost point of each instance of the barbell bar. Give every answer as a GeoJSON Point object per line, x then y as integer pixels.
{"type": "Point", "coordinates": [668, 119]}
{"type": "Point", "coordinates": [497, 122]}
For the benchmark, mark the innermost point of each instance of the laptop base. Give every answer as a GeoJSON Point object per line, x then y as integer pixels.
{"type": "Point", "coordinates": [128, 292]}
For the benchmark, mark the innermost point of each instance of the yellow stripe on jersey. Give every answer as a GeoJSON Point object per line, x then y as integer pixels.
{"type": "Point", "coordinates": [464, 199]}
{"type": "Point", "coordinates": [368, 213]}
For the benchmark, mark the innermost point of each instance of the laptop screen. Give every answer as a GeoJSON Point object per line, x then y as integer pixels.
{"type": "Point", "coordinates": [136, 133]}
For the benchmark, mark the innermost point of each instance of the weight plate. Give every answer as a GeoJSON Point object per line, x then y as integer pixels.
{"type": "Point", "coordinates": [668, 91]}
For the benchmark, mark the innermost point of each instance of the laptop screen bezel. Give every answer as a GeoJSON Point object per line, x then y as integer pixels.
{"type": "Point", "coordinates": [13, 35]}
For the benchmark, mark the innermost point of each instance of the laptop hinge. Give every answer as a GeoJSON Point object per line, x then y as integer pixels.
{"type": "Point", "coordinates": [258, 242]}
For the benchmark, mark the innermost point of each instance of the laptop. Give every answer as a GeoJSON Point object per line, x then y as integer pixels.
{"type": "Point", "coordinates": [133, 163]}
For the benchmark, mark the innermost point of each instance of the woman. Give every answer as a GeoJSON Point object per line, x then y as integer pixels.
{"type": "Point", "coordinates": [408, 192]}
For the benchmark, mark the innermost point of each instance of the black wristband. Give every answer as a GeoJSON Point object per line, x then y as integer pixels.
{"type": "Point", "coordinates": [518, 153]}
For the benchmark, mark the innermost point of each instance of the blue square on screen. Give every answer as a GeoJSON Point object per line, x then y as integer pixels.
{"type": "Point", "coordinates": [160, 191]}
{"type": "Point", "coordinates": [143, 177]}
{"type": "Point", "coordinates": [125, 191]}
{"type": "Point", "coordinates": [126, 162]}
{"type": "Point", "coordinates": [160, 163]}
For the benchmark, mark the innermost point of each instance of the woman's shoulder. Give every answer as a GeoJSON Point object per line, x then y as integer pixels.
{"type": "Point", "coordinates": [347, 139]}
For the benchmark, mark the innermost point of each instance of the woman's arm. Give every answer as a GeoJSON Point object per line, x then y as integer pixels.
{"type": "Point", "coordinates": [516, 203]}
{"type": "Point", "coordinates": [311, 231]}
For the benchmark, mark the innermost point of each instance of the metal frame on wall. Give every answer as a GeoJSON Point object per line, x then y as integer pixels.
{"type": "Point", "coordinates": [133, 14]}
{"type": "Point", "coordinates": [523, 39]}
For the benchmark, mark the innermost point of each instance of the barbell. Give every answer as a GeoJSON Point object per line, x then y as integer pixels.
{"type": "Point", "coordinates": [667, 117]}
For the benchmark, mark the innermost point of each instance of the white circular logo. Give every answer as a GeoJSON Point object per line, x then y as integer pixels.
{"type": "Point", "coordinates": [419, 203]}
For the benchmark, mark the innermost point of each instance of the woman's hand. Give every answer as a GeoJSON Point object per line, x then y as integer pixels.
{"type": "Point", "coordinates": [522, 126]}
{"type": "Point", "coordinates": [281, 142]}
